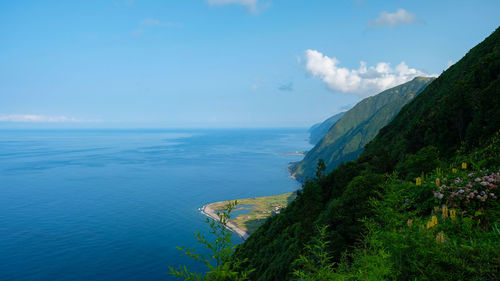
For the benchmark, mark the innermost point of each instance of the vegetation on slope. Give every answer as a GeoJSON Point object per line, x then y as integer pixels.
{"type": "Point", "coordinates": [347, 137]}
{"type": "Point", "coordinates": [442, 226]}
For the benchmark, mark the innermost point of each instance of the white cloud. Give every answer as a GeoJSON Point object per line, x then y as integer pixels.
{"type": "Point", "coordinates": [155, 22]}
{"type": "Point", "coordinates": [449, 63]}
{"type": "Point", "coordinates": [364, 81]}
{"type": "Point", "coordinates": [36, 118]}
{"type": "Point", "coordinates": [252, 5]}
{"type": "Point", "coordinates": [400, 17]}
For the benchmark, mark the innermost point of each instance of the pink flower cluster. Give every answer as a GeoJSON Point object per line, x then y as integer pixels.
{"type": "Point", "coordinates": [472, 188]}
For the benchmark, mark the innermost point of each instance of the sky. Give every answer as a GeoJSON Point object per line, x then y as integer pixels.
{"type": "Point", "coordinates": [219, 63]}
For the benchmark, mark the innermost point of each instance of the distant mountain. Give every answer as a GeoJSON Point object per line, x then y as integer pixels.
{"type": "Point", "coordinates": [346, 138]}
{"type": "Point", "coordinates": [319, 130]}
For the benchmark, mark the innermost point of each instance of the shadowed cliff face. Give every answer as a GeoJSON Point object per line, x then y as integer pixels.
{"type": "Point", "coordinates": [346, 138]}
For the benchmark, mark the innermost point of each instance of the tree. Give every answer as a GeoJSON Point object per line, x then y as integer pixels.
{"type": "Point", "coordinates": [320, 168]}
{"type": "Point", "coordinates": [221, 264]}
{"type": "Point", "coordinates": [316, 264]}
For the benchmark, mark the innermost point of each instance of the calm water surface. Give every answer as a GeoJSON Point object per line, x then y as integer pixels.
{"type": "Point", "coordinates": [113, 205]}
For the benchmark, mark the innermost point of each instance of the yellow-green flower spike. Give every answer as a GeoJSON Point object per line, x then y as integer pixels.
{"type": "Point", "coordinates": [444, 213]}
{"type": "Point", "coordinates": [453, 214]}
{"type": "Point", "coordinates": [440, 237]}
{"type": "Point", "coordinates": [418, 181]}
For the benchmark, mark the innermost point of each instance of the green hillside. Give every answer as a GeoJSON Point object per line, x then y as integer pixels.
{"type": "Point", "coordinates": [347, 137]}
{"type": "Point", "coordinates": [318, 131]}
{"type": "Point", "coordinates": [371, 219]}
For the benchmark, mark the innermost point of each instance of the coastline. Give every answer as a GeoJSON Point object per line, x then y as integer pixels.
{"type": "Point", "coordinates": [211, 212]}
{"type": "Point", "coordinates": [208, 211]}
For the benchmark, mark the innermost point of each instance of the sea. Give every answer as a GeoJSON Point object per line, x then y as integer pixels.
{"type": "Point", "coordinates": [116, 204]}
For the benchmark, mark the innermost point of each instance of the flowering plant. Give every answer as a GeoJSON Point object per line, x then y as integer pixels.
{"type": "Point", "coordinates": [473, 192]}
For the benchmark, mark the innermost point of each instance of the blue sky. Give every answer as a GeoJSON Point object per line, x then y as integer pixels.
{"type": "Point", "coordinates": [219, 63]}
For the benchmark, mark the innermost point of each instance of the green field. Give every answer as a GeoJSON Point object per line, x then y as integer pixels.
{"type": "Point", "coordinates": [260, 208]}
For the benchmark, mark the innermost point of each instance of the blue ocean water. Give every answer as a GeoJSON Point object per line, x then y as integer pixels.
{"type": "Point", "coordinates": [114, 204]}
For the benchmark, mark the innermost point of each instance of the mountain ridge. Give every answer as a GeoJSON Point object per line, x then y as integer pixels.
{"type": "Point", "coordinates": [346, 138]}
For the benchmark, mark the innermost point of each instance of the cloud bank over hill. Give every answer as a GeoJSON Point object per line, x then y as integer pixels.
{"type": "Point", "coordinates": [364, 81]}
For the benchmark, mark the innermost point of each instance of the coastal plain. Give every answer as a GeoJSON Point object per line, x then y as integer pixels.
{"type": "Point", "coordinates": [250, 213]}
